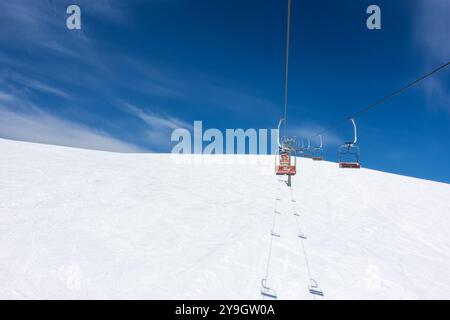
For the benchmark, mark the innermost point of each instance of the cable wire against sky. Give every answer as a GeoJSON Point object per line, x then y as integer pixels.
{"type": "Point", "coordinates": [286, 71]}
{"type": "Point", "coordinates": [384, 99]}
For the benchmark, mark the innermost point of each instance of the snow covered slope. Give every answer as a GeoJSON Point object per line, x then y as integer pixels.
{"type": "Point", "coordinates": [87, 224]}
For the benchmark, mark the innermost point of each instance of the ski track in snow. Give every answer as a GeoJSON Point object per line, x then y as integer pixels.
{"type": "Point", "coordinates": [82, 224]}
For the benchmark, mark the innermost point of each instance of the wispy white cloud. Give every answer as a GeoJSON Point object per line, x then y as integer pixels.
{"type": "Point", "coordinates": [5, 97]}
{"type": "Point", "coordinates": [438, 94]}
{"type": "Point", "coordinates": [198, 88]}
{"type": "Point", "coordinates": [432, 29]}
{"type": "Point", "coordinates": [38, 29]}
{"type": "Point", "coordinates": [154, 120]}
{"type": "Point", "coordinates": [160, 126]}
{"type": "Point", "coordinates": [231, 98]}
{"type": "Point", "coordinates": [81, 63]}
{"type": "Point", "coordinates": [38, 86]}
{"type": "Point", "coordinates": [41, 127]}
{"type": "Point", "coordinates": [22, 119]}
{"type": "Point", "coordinates": [432, 37]}
{"type": "Point", "coordinates": [308, 130]}
{"type": "Point", "coordinates": [40, 26]}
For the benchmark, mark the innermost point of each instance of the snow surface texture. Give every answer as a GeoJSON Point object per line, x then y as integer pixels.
{"type": "Point", "coordinates": [88, 224]}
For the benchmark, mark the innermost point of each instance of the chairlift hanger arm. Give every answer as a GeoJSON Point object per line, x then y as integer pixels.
{"type": "Point", "coordinates": [355, 131]}
{"type": "Point", "coordinates": [279, 126]}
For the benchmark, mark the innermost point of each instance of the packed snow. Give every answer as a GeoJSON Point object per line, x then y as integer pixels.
{"type": "Point", "coordinates": [83, 224]}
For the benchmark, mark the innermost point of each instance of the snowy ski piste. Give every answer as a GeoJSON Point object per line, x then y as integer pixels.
{"type": "Point", "coordinates": [83, 224]}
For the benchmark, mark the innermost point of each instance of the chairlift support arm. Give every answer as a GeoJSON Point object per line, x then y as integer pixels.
{"type": "Point", "coordinates": [355, 140]}
{"type": "Point", "coordinates": [279, 126]}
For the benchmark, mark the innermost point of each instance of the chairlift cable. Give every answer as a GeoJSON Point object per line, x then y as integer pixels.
{"type": "Point", "coordinates": [286, 71]}
{"type": "Point", "coordinates": [384, 99]}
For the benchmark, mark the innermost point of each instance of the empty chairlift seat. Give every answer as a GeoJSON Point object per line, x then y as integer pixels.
{"type": "Point", "coordinates": [314, 288]}
{"type": "Point", "coordinates": [307, 151]}
{"type": "Point", "coordinates": [349, 155]}
{"type": "Point", "coordinates": [266, 291]}
{"type": "Point", "coordinates": [317, 152]}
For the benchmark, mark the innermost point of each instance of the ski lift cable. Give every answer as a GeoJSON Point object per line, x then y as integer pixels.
{"type": "Point", "coordinates": [286, 70]}
{"type": "Point", "coordinates": [384, 99]}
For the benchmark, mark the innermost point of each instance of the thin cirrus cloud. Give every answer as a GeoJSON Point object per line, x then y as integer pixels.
{"type": "Point", "coordinates": [310, 131]}
{"type": "Point", "coordinates": [37, 26]}
{"type": "Point", "coordinates": [432, 37]}
{"type": "Point", "coordinates": [437, 90]}
{"type": "Point", "coordinates": [432, 29]}
{"type": "Point", "coordinates": [21, 119]}
{"type": "Point", "coordinates": [40, 28]}
{"type": "Point", "coordinates": [155, 120]}
{"type": "Point", "coordinates": [6, 97]}
{"type": "Point", "coordinates": [159, 126]}
{"type": "Point", "coordinates": [40, 127]}
{"type": "Point", "coordinates": [52, 55]}
{"type": "Point", "coordinates": [39, 86]}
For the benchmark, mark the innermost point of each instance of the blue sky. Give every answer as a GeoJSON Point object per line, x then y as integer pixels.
{"type": "Point", "coordinates": [138, 69]}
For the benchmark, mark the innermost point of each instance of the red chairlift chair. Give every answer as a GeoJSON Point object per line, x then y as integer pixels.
{"type": "Point", "coordinates": [286, 161]}
{"type": "Point", "coordinates": [286, 164]}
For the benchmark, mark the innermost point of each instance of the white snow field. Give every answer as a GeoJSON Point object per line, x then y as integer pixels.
{"type": "Point", "coordinates": [82, 224]}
